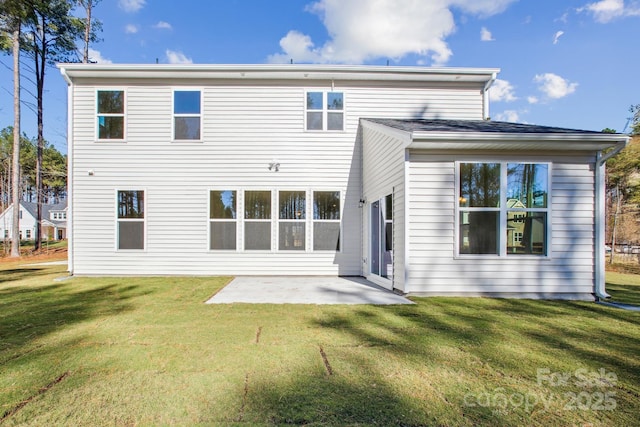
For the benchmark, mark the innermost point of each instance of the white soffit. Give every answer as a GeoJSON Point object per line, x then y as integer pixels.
{"type": "Point", "coordinates": [269, 71]}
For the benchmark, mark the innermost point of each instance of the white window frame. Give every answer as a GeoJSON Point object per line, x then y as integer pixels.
{"type": "Point", "coordinates": [503, 210]}
{"type": "Point", "coordinates": [117, 220]}
{"type": "Point", "coordinates": [271, 220]}
{"type": "Point", "coordinates": [314, 221]}
{"type": "Point", "coordinates": [305, 221]}
{"type": "Point", "coordinates": [325, 110]}
{"type": "Point", "coordinates": [174, 115]}
{"type": "Point", "coordinates": [123, 114]}
{"type": "Point", "coordinates": [237, 220]}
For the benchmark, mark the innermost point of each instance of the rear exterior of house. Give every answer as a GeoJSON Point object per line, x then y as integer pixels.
{"type": "Point", "coordinates": [384, 172]}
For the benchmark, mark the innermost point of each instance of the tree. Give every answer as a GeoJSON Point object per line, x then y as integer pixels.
{"type": "Point", "coordinates": [623, 194]}
{"type": "Point", "coordinates": [54, 170]}
{"type": "Point", "coordinates": [12, 15]}
{"type": "Point", "coordinates": [635, 119]}
{"type": "Point", "coordinates": [52, 35]}
{"type": "Point", "coordinates": [91, 26]}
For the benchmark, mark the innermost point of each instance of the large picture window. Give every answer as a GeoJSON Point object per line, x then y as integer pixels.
{"type": "Point", "coordinates": [502, 208]}
{"type": "Point", "coordinates": [110, 114]}
{"type": "Point", "coordinates": [257, 220]}
{"type": "Point", "coordinates": [131, 213]}
{"type": "Point", "coordinates": [326, 220]}
{"type": "Point", "coordinates": [291, 220]}
{"type": "Point", "coordinates": [186, 115]}
{"type": "Point", "coordinates": [325, 111]}
{"type": "Point", "coordinates": [222, 219]}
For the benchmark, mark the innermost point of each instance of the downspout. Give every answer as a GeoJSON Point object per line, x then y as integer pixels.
{"type": "Point", "coordinates": [485, 96]}
{"type": "Point", "coordinates": [70, 249]}
{"type": "Point", "coordinates": [600, 218]}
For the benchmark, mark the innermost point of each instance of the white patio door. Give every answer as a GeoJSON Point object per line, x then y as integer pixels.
{"type": "Point", "coordinates": [381, 221]}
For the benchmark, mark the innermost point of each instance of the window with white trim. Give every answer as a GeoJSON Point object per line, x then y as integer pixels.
{"type": "Point", "coordinates": [223, 219]}
{"type": "Point", "coordinates": [130, 221]}
{"type": "Point", "coordinates": [257, 220]}
{"type": "Point", "coordinates": [292, 207]}
{"type": "Point", "coordinates": [28, 234]}
{"type": "Point", "coordinates": [324, 111]}
{"type": "Point", "coordinates": [110, 114]}
{"type": "Point", "coordinates": [186, 115]}
{"type": "Point", "coordinates": [503, 208]}
{"type": "Point", "coordinates": [326, 220]}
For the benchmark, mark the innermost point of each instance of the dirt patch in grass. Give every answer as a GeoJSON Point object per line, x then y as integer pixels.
{"type": "Point", "coordinates": [54, 253]}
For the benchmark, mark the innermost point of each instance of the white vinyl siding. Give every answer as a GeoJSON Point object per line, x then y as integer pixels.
{"type": "Point", "coordinates": [384, 174]}
{"type": "Point", "coordinates": [434, 267]}
{"type": "Point", "coordinates": [245, 126]}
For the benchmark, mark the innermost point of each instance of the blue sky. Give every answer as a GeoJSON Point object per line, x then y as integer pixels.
{"type": "Point", "coordinates": [567, 63]}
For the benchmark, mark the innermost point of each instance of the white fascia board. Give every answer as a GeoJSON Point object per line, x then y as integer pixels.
{"type": "Point", "coordinates": [504, 141]}
{"type": "Point", "coordinates": [401, 135]}
{"type": "Point", "coordinates": [275, 72]}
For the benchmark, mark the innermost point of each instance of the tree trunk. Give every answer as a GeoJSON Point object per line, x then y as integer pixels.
{"type": "Point", "coordinates": [87, 31]}
{"type": "Point", "coordinates": [40, 64]}
{"type": "Point", "coordinates": [15, 192]}
{"type": "Point", "coordinates": [615, 225]}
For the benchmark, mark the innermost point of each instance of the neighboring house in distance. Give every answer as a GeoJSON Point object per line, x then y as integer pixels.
{"type": "Point", "coordinates": [54, 221]}
{"type": "Point", "coordinates": [391, 173]}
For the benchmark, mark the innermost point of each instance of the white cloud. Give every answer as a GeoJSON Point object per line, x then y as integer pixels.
{"type": "Point", "coordinates": [131, 5]}
{"type": "Point", "coordinates": [556, 37]}
{"type": "Point", "coordinates": [554, 86]}
{"type": "Point", "coordinates": [532, 99]}
{"type": "Point", "coordinates": [174, 57]}
{"type": "Point", "coordinates": [564, 18]}
{"type": "Point", "coordinates": [363, 30]}
{"type": "Point", "coordinates": [131, 29]}
{"type": "Point", "coordinates": [604, 11]}
{"type": "Point", "coordinates": [508, 116]}
{"type": "Point", "coordinates": [501, 90]}
{"type": "Point", "coordinates": [162, 25]}
{"type": "Point", "coordinates": [96, 57]}
{"type": "Point", "coordinates": [485, 35]}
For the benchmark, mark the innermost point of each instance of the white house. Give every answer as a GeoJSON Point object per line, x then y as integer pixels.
{"type": "Point", "coordinates": [392, 173]}
{"type": "Point", "coordinates": [54, 221]}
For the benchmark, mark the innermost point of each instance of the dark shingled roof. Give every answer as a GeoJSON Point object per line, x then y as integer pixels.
{"type": "Point", "coordinates": [473, 126]}
{"type": "Point", "coordinates": [46, 209]}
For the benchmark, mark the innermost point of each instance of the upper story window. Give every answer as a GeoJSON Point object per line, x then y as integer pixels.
{"type": "Point", "coordinates": [186, 115]}
{"type": "Point", "coordinates": [503, 208]}
{"type": "Point", "coordinates": [110, 112]}
{"type": "Point", "coordinates": [325, 111]}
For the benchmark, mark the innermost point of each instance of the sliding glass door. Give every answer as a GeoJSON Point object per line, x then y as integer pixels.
{"type": "Point", "coordinates": [382, 237]}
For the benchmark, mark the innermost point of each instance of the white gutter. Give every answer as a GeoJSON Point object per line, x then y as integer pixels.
{"type": "Point", "coordinates": [600, 218]}
{"type": "Point", "coordinates": [272, 71]}
{"type": "Point", "coordinates": [485, 96]}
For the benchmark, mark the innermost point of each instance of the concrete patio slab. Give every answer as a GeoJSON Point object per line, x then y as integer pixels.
{"type": "Point", "coordinates": [305, 290]}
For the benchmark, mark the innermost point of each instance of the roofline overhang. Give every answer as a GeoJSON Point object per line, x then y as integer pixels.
{"type": "Point", "coordinates": [501, 141]}
{"type": "Point", "coordinates": [74, 71]}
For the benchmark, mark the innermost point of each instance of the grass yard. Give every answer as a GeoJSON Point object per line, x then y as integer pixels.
{"type": "Point", "coordinates": [147, 351]}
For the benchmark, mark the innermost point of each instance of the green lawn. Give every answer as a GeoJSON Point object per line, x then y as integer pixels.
{"type": "Point", "coordinates": [624, 287]}
{"type": "Point", "coordinates": [147, 351]}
